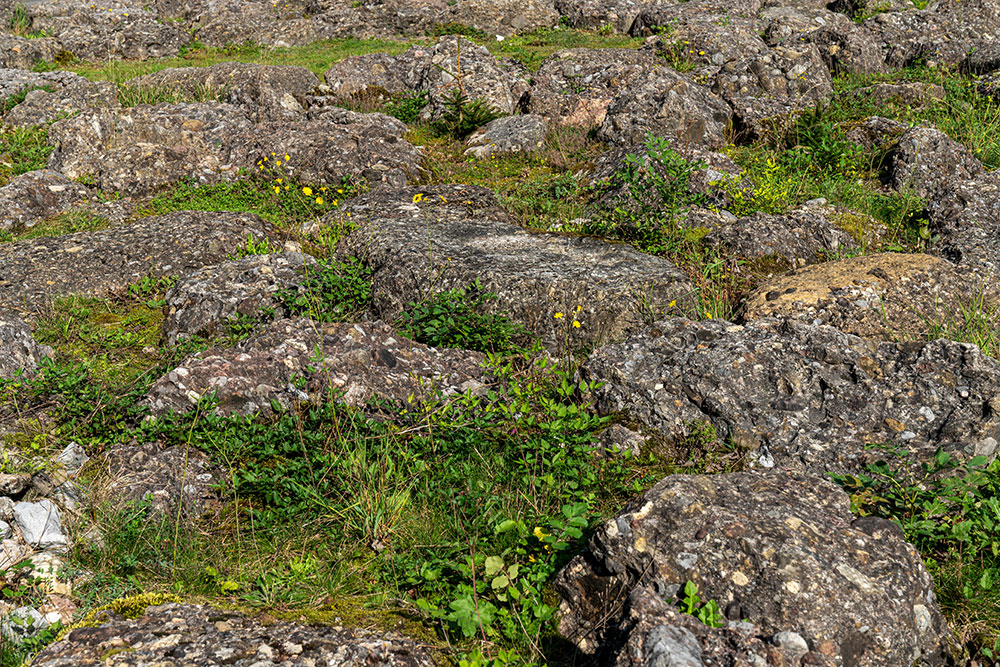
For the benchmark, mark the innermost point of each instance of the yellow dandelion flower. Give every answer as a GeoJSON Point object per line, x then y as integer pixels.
{"type": "Point", "coordinates": [334, 202]}
{"type": "Point", "coordinates": [558, 316]}
{"type": "Point", "coordinates": [576, 324]}
{"type": "Point", "coordinates": [708, 315]}
{"type": "Point", "coordinates": [319, 200]}
{"type": "Point", "coordinates": [278, 180]}
{"type": "Point", "coordinates": [287, 158]}
{"type": "Point", "coordinates": [339, 191]}
{"type": "Point", "coordinates": [348, 214]}
{"type": "Point", "coordinates": [579, 308]}
{"type": "Point", "coordinates": [272, 153]}
{"type": "Point", "coordinates": [417, 198]}
{"type": "Point", "coordinates": [539, 532]}
{"type": "Point", "coordinates": [307, 191]}
{"type": "Point", "coordinates": [286, 187]}
{"type": "Point", "coordinates": [277, 163]}
{"type": "Point", "coordinates": [276, 189]}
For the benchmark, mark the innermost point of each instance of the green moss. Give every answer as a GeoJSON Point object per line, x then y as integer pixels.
{"type": "Point", "coordinates": [351, 612]}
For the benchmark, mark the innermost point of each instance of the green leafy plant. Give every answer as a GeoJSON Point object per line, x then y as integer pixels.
{"type": "Point", "coordinates": [333, 291]}
{"type": "Point", "coordinates": [459, 318]}
{"type": "Point", "coordinates": [691, 603]}
{"type": "Point", "coordinates": [462, 115]}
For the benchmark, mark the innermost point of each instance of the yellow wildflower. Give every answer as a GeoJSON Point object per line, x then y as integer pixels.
{"type": "Point", "coordinates": [287, 158]}
{"type": "Point", "coordinates": [319, 200]}
{"type": "Point", "coordinates": [672, 303]}
{"type": "Point", "coordinates": [277, 189]}
{"type": "Point", "coordinates": [576, 324]}
{"type": "Point", "coordinates": [708, 315]}
{"type": "Point", "coordinates": [540, 532]}
{"type": "Point", "coordinates": [417, 198]}
{"type": "Point", "coordinates": [279, 180]}
{"type": "Point", "coordinates": [558, 316]}
{"type": "Point", "coordinates": [307, 191]}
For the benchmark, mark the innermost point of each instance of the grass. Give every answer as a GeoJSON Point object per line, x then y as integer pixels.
{"type": "Point", "coordinates": [22, 150]}
{"type": "Point", "coordinates": [69, 222]}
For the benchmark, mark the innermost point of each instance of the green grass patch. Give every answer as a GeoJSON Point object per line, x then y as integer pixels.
{"type": "Point", "coordinates": [69, 222]}
{"type": "Point", "coordinates": [23, 150]}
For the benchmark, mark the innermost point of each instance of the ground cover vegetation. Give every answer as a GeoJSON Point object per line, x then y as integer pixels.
{"type": "Point", "coordinates": [452, 522]}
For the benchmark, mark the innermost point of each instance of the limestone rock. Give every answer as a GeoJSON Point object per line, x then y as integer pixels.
{"type": "Point", "coordinates": [509, 134]}
{"type": "Point", "coordinates": [926, 160]}
{"type": "Point", "coordinates": [202, 635]}
{"type": "Point", "coordinates": [780, 550]}
{"type": "Point", "coordinates": [889, 296]}
{"type": "Point", "coordinates": [40, 524]}
{"type": "Point", "coordinates": [103, 262]}
{"type": "Point", "coordinates": [202, 302]}
{"type": "Point", "coordinates": [35, 196]}
{"type": "Point", "coordinates": [298, 360]}
{"type": "Point", "coordinates": [19, 352]}
{"type": "Point", "coordinates": [41, 107]}
{"type": "Point", "coordinates": [803, 396]}
{"type": "Point", "coordinates": [456, 235]}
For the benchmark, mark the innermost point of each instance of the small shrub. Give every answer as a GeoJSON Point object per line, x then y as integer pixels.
{"type": "Point", "coordinates": [463, 116]}
{"type": "Point", "coordinates": [457, 318]}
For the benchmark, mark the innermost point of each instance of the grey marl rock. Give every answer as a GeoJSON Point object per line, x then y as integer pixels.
{"type": "Point", "coordinates": [203, 635]}
{"type": "Point", "coordinates": [202, 302]}
{"type": "Point", "coordinates": [458, 234]}
{"type": "Point", "coordinates": [778, 549]}
{"type": "Point", "coordinates": [23, 54]}
{"type": "Point", "coordinates": [266, 92]}
{"type": "Point", "coordinates": [40, 524]}
{"type": "Point", "coordinates": [509, 134]}
{"type": "Point", "coordinates": [844, 46]}
{"type": "Point", "coordinates": [803, 396]}
{"type": "Point", "coordinates": [35, 196]}
{"type": "Point", "coordinates": [15, 81]}
{"type": "Point", "coordinates": [108, 261]}
{"type": "Point", "coordinates": [95, 35]}
{"type": "Point", "coordinates": [963, 216]}
{"type": "Point", "coordinates": [298, 360]}
{"type": "Point", "coordinates": [576, 86]}
{"type": "Point", "coordinates": [619, 14]}
{"type": "Point", "coordinates": [19, 352]}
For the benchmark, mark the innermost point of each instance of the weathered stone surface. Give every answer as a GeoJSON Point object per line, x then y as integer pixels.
{"type": "Point", "coordinates": [20, 53]}
{"type": "Point", "coordinates": [19, 352]}
{"type": "Point", "coordinates": [665, 103]}
{"type": "Point", "coordinates": [875, 132]}
{"type": "Point", "coordinates": [844, 46]}
{"type": "Point", "coordinates": [915, 94]}
{"type": "Point", "coordinates": [201, 303]}
{"type": "Point", "coordinates": [364, 361]}
{"type": "Point", "coordinates": [964, 213]}
{"type": "Point", "coordinates": [801, 236]}
{"type": "Point", "coordinates": [509, 134]}
{"type": "Point", "coordinates": [40, 524]}
{"type": "Point", "coordinates": [803, 396]}
{"type": "Point", "coordinates": [891, 296]}
{"type": "Point", "coordinates": [434, 70]}
{"type": "Point", "coordinates": [576, 86]}
{"type": "Point", "coordinates": [265, 92]}
{"type": "Point", "coordinates": [103, 262]}
{"type": "Point", "coordinates": [619, 14]}
{"type": "Point", "coordinates": [458, 234]}
{"type": "Point", "coordinates": [780, 550]}
{"type": "Point", "coordinates": [35, 196]}
{"type": "Point", "coordinates": [926, 160]}
{"type": "Point", "coordinates": [41, 107]}
{"type": "Point", "coordinates": [161, 476]}
{"type": "Point", "coordinates": [202, 635]}
{"type": "Point", "coordinates": [145, 147]}
{"type": "Point", "coordinates": [15, 81]}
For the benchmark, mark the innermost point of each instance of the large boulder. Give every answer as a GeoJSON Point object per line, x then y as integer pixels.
{"type": "Point", "coordinates": [576, 86]}
{"type": "Point", "coordinates": [137, 150]}
{"type": "Point", "coordinates": [890, 296]}
{"type": "Point", "coordinates": [41, 107]}
{"type": "Point", "coordinates": [802, 396]}
{"type": "Point", "coordinates": [127, 33]}
{"type": "Point", "coordinates": [508, 134]}
{"type": "Point", "coordinates": [926, 160]}
{"type": "Point", "coordinates": [19, 352]}
{"type": "Point", "coordinates": [16, 81]}
{"type": "Point", "coordinates": [844, 46]}
{"type": "Point", "coordinates": [35, 196]}
{"type": "Point", "coordinates": [203, 635]}
{"type": "Point", "coordinates": [201, 303]}
{"type": "Point", "coordinates": [619, 14]}
{"type": "Point", "coordinates": [781, 555]}
{"type": "Point", "coordinates": [108, 261]}
{"type": "Point", "coordinates": [417, 242]}
{"type": "Point", "coordinates": [299, 360]}
{"type": "Point", "coordinates": [963, 215]}
{"type": "Point", "coordinates": [665, 103]}
{"type": "Point", "coordinates": [265, 92]}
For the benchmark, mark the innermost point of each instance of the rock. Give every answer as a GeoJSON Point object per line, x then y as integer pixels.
{"type": "Point", "coordinates": [108, 261]}
{"type": "Point", "coordinates": [435, 71]}
{"type": "Point", "coordinates": [159, 475]}
{"type": "Point", "coordinates": [916, 94]}
{"type": "Point", "coordinates": [509, 134]}
{"type": "Point", "coordinates": [617, 439]}
{"type": "Point", "coordinates": [23, 623]}
{"type": "Point", "coordinates": [926, 160]}
{"type": "Point", "coordinates": [6, 509]}
{"type": "Point", "coordinates": [201, 303]}
{"type": "Point", "coordinates": [665, 103]}
{"type": "Point", "coordinates": [777, 546]}
{"type": "Point", "coordinates": [136, 150]}
{"type": "Point", "coordinates": [35, 196]}
{"type": "Point", "coordinates": [102, 35]}
{"type": "Point", "coordinates": [889, 296]}
{"type": "Point", "coordinates": [41, 107]}
{"type": "Point", "coordinates": [16, 81]}
{"type": "Point", "coordinates": [14, 485]}
{"type": "Point", "coordinates": [801, 236]}
{"type": "Point", "coordinates": [5, 530]}
{"type": "Point", "coordinates": [619, 14]}
{"type": "Point", "coordinates": [19, 352]}
{"type": "Point", "coordinates": [40, 524]}
{"type": "Point", "coordinates": [875, 132]}
{"type": "Point", "coordinates": [72, 457]}
{"type": "Point", "coordinates": [576, 86]}
{"type": "Point", "coordinates": [456, 235]}
{"type": "Point", "coordinates": [299, 360]}
{"type": "Point", "coordinates": [203, 635]}
{"type": "Point", "coordinates": [964, 214]}
{"type": "Point", "coordinates": [802, 396]}
{"type": "Point", "coordinates": [23, 54]}
{"type": "Point", "coordinates": [844, 46]}
{"type": "Point", "coordinates": [265, 92]}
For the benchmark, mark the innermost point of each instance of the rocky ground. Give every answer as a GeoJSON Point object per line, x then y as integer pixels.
{"type": "Point", "coordinates": [411, 332]}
